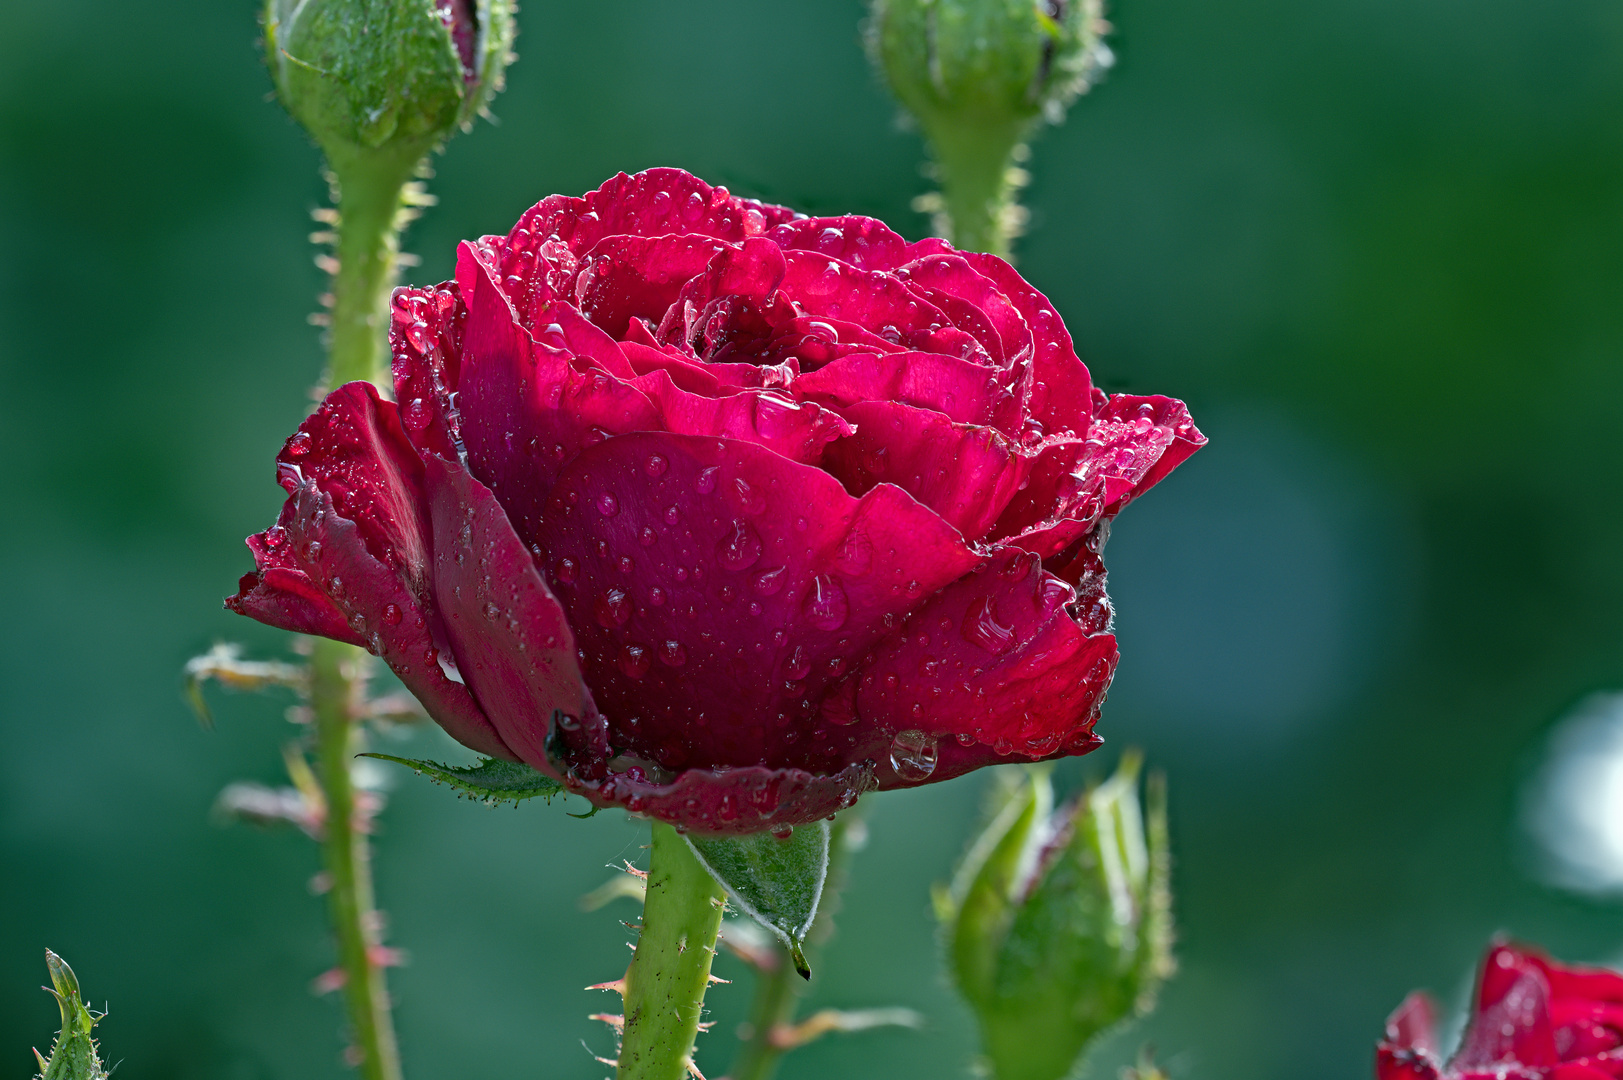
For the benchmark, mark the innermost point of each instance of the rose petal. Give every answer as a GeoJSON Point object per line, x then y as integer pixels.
{"type": "Point", "coordinates": [964, 391]}
{"type": "Point", "coordinates": [1414, 1025]}
{"type": "Point", "coordinates": [996, 658]}
{"type": "Point", "coordinates": [952, 275]}
{"type": "Point", "coordinates": [625, 277]}
{"type": "Point", "coordinates": [963, 472]}
{"type": "Point", "coordinates": [1075, 483]}
{"type": "Point", "coordinates": [527, 410]}
{"type": "Point", "coordinates": [512, 644]}
{"type": "Point", "coordinates": [718, 591]}
{"type": "Point", "coordinates": [736, 801]}
{"type": "Point", "coordinates": [798, 431]}
{"type": "Point", "coordinates": [1512, 1021]}
{"type": "Point", "coordinates": [824, 286]}
{"type": "Point", "coordinates": [1062, 391]}
{"type": "Point", "coordinates": [862, 242]}
{"type": "Point", "coordinates": [425, 344]}
{"type": "Point", "coordinates": [287, 599]}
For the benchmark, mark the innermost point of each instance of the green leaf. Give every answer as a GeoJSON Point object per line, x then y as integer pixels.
{"type": "Point", "coordinates": [491, 781]}
{"type": "Point", "coordinates": [777, 882]}
{"type": "Point", "coordinates": [74, 1055]}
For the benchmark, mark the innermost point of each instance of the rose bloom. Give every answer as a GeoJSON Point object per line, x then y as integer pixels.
{"type": "Point", "coordinates": [1533, 1019]}
{"type": "Point", "coordinates": [722, 513]}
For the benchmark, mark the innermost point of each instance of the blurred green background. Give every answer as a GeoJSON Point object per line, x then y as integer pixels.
{"type": "Point", "coordinates": [1377, 245]}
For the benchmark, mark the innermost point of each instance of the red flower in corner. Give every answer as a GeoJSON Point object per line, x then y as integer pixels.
{"type": "Point", "coordinates": [1533, 1019]}
{"type": "Point", "coordinates": [722, 513]}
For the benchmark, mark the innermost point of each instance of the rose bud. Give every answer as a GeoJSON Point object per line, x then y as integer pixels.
{"type": "Point", "coordinates": [721, 513]}
{"type": "Point", "coordinates": [1058, 925]}
{"type": "Point", "coordinates": [364, 74]}
{"type": "Point", "coordinates": [1531, 1019]}
{"type": "Point", "coordinates": [977, 75]}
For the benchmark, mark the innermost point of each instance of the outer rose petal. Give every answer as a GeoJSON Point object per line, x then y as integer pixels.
{"type": "Point", "coordinates": [425, 341]}
{"type": "Point", "coordinates": [1075, 483]}
{"type": "Point", "coordinates": [513, 645]}
{"type": "Point", "coordinates": [863, 242]}
{"type": "Point", "coordinates": [286, 598]}
{"type": "Point", "coordinates": [355, 529]}
{"type": "Point", "coordinates": [718, 591]}
{"type": "Point", "coordinates": [1512, 1020]}
{"type": "Point", "coordinates": [965, 473]}
{"type": "Point", "coordinates": [995, 658]}
{"type": "Point", "coordinates": [735, 800]}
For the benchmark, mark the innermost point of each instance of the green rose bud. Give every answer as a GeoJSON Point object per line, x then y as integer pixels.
{"type": "Point", "coordinates": [978, 75]}
{"type": "Point", "coordinates": [386, 75]}
{"type": "Point", "coordinates": [1058, 924]}
{"type": "Point", "coordinates": [74, 1056]}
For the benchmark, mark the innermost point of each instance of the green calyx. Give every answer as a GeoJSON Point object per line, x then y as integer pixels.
{"type": "Point", "coordinates": [74, 1056]}
{"type": "Point", "coordinates": [385, 75]}
{"type": "Point", "coordinates": [1058, 925]}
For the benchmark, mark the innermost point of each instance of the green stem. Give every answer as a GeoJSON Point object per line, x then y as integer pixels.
{"type": "Point", "coordinates": [370, 191]}
{"type": "Point", "coordinates": [665, 985]}
{"type": "Point", "coordinates": [337, 685]}
{"type": "Point", "coordinates": [778, 989]}
{"type": "Point", "coordinates": [974, 164]}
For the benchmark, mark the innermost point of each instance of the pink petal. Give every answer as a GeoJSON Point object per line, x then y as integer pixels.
{"type": "Point", "coordinates": [824, 286]}
{"type": "Point", "coordinates": [993, 659]}
{"type": "Point", "coordinates": [735, 801]}
{"type": "Point", "coordinates": [425, 341]}
{"type": "Point", "coordinates": [963, 472]}
{"type": "Point", "coordinates": [626, 277]}
{"type": "Point", "coordinates": [862, 242]}
{"type": "Point", "coordinates": [1512, 1021]}
{"type": "Point", "coordinates": [512, 644]}
{"type": "Point", "coordinates": [1414, 1024]}
{"type": "Point", "coordinates": [951, 275]}
{"type": "Point", "coordinates": [719, 591]}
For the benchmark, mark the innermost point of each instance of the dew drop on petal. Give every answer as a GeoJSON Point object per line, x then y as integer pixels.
{"type": "Point", "coordinates": [980, 627]}
{"type": "Point", "coordinates": [826, 605]}
{"type": "Point", "coordinates": [613, 608]}
{"type": "Point", "coordinates": [707, 479]}
{"type": "Point", "coordinates": [568, 570]}
{"type": "Point", "coordinates": [750, 499]}
{"type": "Point", "coordinates": [656, 465]}
{"type": "Point", "coordinates": [299, 444]}
{"type": "Point", "coordinates": [673, 654]}
{"type": "Point", "coordinates": [608, 505]}
{"type": "Point", "coordinates": [913, 754]}
{"type": "Point", "coordinates": [634, 661]}
{"type": "Point", "coordinates": [391, 614]}
{"type": "Point", "coordinates": [799, 665]}
{"type": "Point", "coordinates": [740, 548]}
{"type": "Point", "coordinates": [770, 581]}
{"type": "Point", "coordinates": [647, 537]}
{"type": "Point", "coordinates": [856, 554]}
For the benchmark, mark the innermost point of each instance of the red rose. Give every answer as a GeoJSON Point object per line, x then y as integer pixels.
{"type": "Point", "coordinates": [722, 513]}
{"type": "Point", "coordinates": [1534, 1020]}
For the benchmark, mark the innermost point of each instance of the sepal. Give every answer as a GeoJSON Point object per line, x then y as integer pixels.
{"type": "Point", "coordinates": [776, 880]}
{"type": "Point", "coordinates": [491, 781]}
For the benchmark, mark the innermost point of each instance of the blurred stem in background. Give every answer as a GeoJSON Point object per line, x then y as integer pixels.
{"type": "Point", "coordinates": [978, 76]}
{"type": "Point", "coordinates": [74, 1056]}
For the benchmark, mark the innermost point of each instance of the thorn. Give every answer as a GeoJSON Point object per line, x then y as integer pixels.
{"type": "Point", "coordinates": [693, 1070]}
{"type": "Point", "coordinates": [706, 1025]}
{"type": "Point", "coordinates": [601, 1060]}
{"type": "Point", "coordinates": [618, 986]}
{"type": "Point", "coordinates": [325, 214]}
{"type": "Point", "coordinates": [385, 957]}
{"type": "Point", "coordinates": [614, 1020]}
{"type": "Point", "coordinates": [327, 264]}
{"type": "Point", "coordinates": [328, 981]}
{"type": "Point", "coordinates": [718, 979]}
{"type": "Point", "coordinates": [633, 871]}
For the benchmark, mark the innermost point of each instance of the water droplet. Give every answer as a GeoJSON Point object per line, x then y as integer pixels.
{"type": "Point", "coordinates": [752, 501]}
{"type": "Point", "coordinates": [673, 654]}
{"type": "Point", "coordinates": [391, 614]}
{"type": "Point", "coordinates": [826, 605]}
{"type": "Point", "coordinates": [913, 754]}
{"type": "Point", "coordinates": [492, 612]}
{"type": "Point", "coordinates": [769, 582]}
{"type": "Point", "coordinates": [568, 722]}
{"type": "Point", "coordinates": [608, 505]}
{"type": "Point", "coordinates": [740, 548]}
{"type": "Point", "coordinates": [568, 570]}
{"type": "Point", "coordinates": [625, 564]}
{"type": "Point", "coordinates": [656, 596]}
{"type": "Point", "coordinates": [656, 465]}
{"type": "Point", "coordinates": [707, 479]}
{"type": "Point", "coordinates": [613, 608]}
{"type": "Point", "coordinates": [783, 832]}
{"type": "Point", "coordinates": [799, 666]}
{"type": "Point", "coordinates": [634, 661]}
{"type": "Point", "coordinates": [965, 739]}
{"type": "Point", "coordinates": [856, 554]}
{"type": "Point", "coordinates": [673, 515]}
{"type": "Point", "coordinates": [980, 627]}
{"type": "Point", "coordinates": [299, 444]}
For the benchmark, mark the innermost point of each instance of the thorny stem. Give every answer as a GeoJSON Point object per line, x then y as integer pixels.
{"type": "Point", "coordinates": [665, 985]}
{"type": "Point", "coordinates": [778, 988]}
{"type": "Point", "coordinates": [372, 191]}
{"type": "Point", "coordinates": [337, 686]}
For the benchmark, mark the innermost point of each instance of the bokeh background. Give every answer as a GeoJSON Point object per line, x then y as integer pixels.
{"type": "Point", "coordinates": [1377, 245]}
